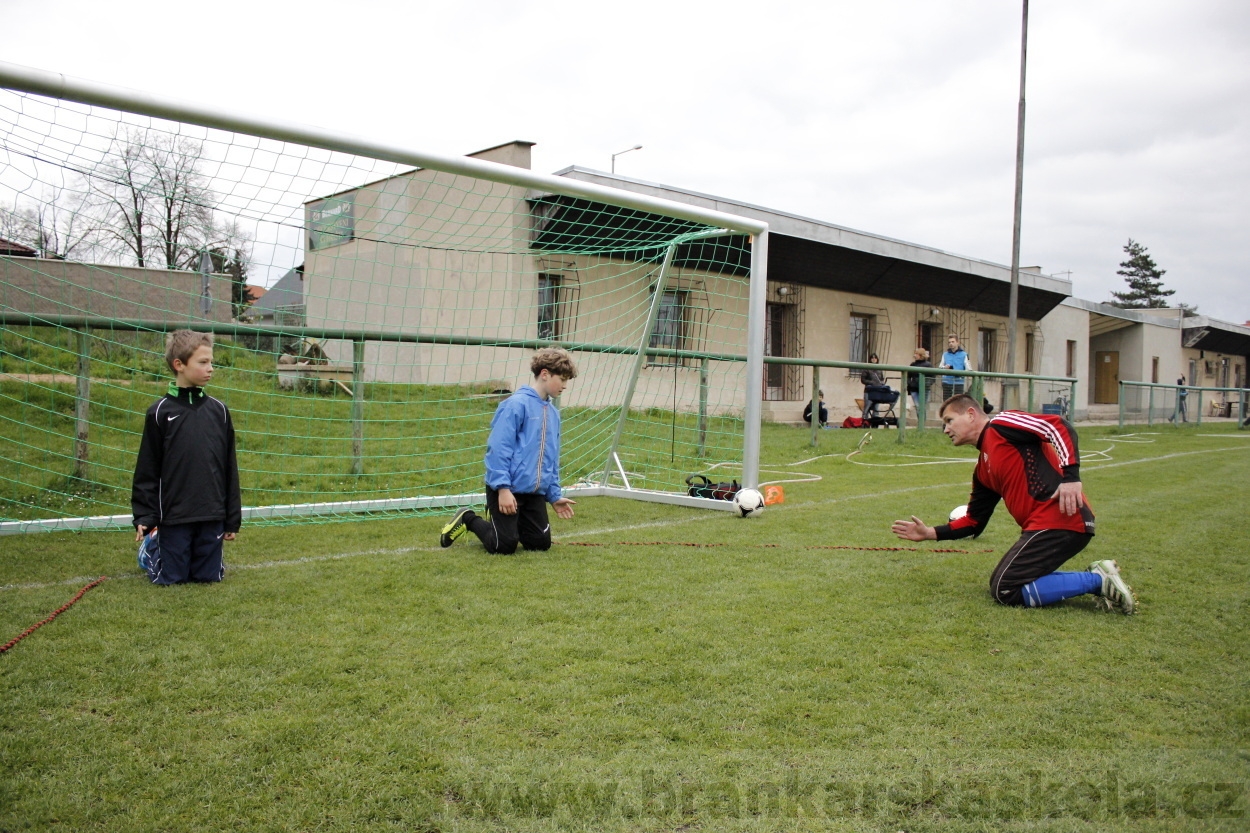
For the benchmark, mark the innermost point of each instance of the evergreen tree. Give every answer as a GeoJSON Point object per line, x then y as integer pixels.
{"type": "Point", "coordinates": [1144, 280]}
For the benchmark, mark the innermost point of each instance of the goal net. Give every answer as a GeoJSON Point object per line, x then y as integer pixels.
{"type": "Point", "coordinates": [369, 312]}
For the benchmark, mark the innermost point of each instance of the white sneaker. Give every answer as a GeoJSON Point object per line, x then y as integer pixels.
{"type": "Point", "coordinates": [1115, 591]}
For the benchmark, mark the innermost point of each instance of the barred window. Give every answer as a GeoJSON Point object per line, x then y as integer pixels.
{"type": "Point", "coordinates": [548, 307]}
{"type": "Point", "coordinates": [670, 326]}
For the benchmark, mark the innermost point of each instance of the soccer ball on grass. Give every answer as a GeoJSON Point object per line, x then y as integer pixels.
{"type": "Point", "coordinates": [748, 503]}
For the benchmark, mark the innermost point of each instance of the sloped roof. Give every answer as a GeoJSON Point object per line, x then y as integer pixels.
{"type": "Point", "coordinates": [287, 292]}
{"type": "Point", "coordinates": [12, 248]}
{"type": "Point", "coordinates": [821, 254]}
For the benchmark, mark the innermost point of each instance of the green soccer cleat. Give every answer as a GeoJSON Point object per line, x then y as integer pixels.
{"type": "Point", "coordinates": [458, 526]}
{"type": "Point", "coordinates": [1115, 590]}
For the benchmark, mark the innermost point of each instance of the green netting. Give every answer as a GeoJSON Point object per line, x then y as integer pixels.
{"type": "Point", "coordinates": [403, 304]}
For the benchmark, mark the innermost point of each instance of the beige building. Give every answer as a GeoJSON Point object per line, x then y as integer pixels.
{"type": "Point", "coordinates": [837, 294]}
{"type": "Point", "coordinates": [466, 261]}
{"type": "Point", "coordinates": [461, 261]}
{"type": "Point", "coordinates": [1103, 346]}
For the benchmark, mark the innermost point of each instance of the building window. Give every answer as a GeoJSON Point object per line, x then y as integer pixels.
{"type": "Point", "coordinates": [1154, 369]}
{"type": "Point", "coordinates": [930, 337]}
{"type": "Point", "coordinates": [781, 330]}
{"type": "Point", "coordinates": [548, 307]}
{"type": "Point", "coordinates": [1030, 353]}
{"type": "Point", "coordinates": [1070, 370]}
{"type": "Point", "coordinates": [670, 329]}
{"type": "Point", "coordinates": [862, 327]}
{"type": "Point", "coordinates": [987, 341]}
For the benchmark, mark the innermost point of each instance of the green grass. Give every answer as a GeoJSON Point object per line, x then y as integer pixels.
{"type": "Point", "coordinates": [357, 676]}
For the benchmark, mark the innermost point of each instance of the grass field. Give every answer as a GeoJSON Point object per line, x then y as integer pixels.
{"type": "Point", "coordinates": [657, 669]}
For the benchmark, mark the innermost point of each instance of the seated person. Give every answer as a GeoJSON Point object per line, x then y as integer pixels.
{"type": "Point", "coordinates": [875, 388]}
{"type": "Point", "coordinates": [824, 412]}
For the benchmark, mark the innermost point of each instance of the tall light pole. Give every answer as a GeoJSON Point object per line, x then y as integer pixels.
{"type": "Point", "coordinates": [627, 150]}
{"type": "Point", "coordinates": [1011, 387]}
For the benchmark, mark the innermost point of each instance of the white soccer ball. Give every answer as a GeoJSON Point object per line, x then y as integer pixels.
{"type": "Point", "coordinates": [958, 512]}
{"type": "Point", "coordinates": [749, 503]}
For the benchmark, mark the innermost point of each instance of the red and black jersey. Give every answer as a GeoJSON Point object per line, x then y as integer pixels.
{"type": "Point", "coordinates": [1024, 457]}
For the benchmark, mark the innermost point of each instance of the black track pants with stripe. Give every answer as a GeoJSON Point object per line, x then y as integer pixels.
{"type": "Point", "coordinates": [1038, 553]}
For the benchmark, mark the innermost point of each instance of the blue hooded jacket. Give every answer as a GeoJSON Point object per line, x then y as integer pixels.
{"type": "Point", "coordinates": [523, 452]}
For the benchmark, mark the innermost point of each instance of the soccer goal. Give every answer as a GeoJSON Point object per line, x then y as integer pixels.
{"type": "Point", "coordinates": [371, 306]}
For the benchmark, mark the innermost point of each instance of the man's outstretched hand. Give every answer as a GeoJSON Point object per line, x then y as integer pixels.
{"type": "Point", "coordinates": [913, 530]}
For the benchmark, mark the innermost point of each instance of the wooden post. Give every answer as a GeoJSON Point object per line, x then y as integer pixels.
{"type": "Point", "coordinates": [82, 406]}
{"type": "Point", "coordinates": [815, 406]}
{"type": "Point", "coordinates": [703, 383]}
{"type": "Point", "coordinates": [922, 407]}
{"type": "Point", "coordinates": [902, 408]}
{"type": "Point", "coordinates": [358, 406]}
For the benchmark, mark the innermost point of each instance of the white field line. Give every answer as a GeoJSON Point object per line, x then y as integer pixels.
{"type": "Point", "coordinates": [1165, 457]}
{"type": "Point", "coordinates": [699, 518]}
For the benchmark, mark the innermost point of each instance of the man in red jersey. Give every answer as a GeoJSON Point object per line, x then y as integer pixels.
{"type": "Point", "coordinates": [1031, 463]}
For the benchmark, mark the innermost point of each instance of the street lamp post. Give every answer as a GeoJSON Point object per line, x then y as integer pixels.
{"type": "Point", "coordinates": [627, 150]}
{"type": "Point", "coordinates": [1011, 387]}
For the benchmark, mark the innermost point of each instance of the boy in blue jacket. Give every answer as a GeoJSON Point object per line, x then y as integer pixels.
{"type": "Point", "coordinates": [522, 464]}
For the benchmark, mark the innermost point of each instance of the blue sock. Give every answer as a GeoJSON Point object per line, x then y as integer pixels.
{"type": "Point", "coordinates": [1058, 586]}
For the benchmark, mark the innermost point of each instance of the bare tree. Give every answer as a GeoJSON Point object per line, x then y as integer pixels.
{"type": "Point", "coordinates": [154, 200]}
{"type": "Point", "coordinates": [64, 225]}
{"type": "Point", "coordinates": [58, 225]}
{"type": "Point", "coordinates": [120, 185]}
{"type": "Point", "coordinates": [14, 224]}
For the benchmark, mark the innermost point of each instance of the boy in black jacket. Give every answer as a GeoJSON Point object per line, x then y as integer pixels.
{"type": "Point", "coordinates": [186, 479]}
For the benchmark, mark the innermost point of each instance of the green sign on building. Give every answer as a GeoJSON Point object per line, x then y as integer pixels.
{"type": "Point", "coordinates": [331, 222]}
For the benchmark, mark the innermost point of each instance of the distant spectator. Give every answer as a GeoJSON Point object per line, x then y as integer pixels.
{"type": "Point", "coordinates": [824, 412]}
{"type": "Point", "coordinates": [921, 357]}
{"type": "Point", "coordinates": [955, 358]}
{"type": "Point", "coordinates": [1181, 395]}
{"type": "Point", "coordinates": [875, 388]}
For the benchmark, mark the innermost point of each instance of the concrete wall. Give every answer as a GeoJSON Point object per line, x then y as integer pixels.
{"type": "Point", "coordinates": [62, 287]}
{"type": "Point", "coordinates": [1209, 364]}
{"type": "Point", "coordinates": [434, 253]}
{"type": "Point", "coordinates": [1063, 324]}
{"type": "Point", "coordinates": [1138, 345]}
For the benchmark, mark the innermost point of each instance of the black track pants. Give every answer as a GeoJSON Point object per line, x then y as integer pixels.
{"type": "Point", "coordinates": [501, 533]}
{"type": "Point", "coordinates": [1038, 553]}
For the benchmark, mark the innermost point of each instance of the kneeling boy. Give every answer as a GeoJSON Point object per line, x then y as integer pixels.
{"type": "Point", "coordinates": [522, 464]}
{"type": "Point", "coordinates": [186, 478]}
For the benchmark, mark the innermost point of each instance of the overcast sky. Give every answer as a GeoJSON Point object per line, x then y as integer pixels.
{"type": "Point", "coordinates": [895, 118]}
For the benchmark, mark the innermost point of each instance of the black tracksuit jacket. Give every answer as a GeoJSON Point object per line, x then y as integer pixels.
{"type": "Point", "coordinates": [187, 472]}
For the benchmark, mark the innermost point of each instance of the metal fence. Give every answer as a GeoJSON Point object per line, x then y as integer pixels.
{"type": "Point", "coordinates": [1148, 403]}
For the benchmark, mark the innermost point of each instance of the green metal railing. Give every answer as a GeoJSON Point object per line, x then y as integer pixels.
{"type": "Point", "coordinates": [83, 325]}
{"type": "Point", "coordinates": [1234, 399]}
{"type": "Point", "coordinates": [975, 389]}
